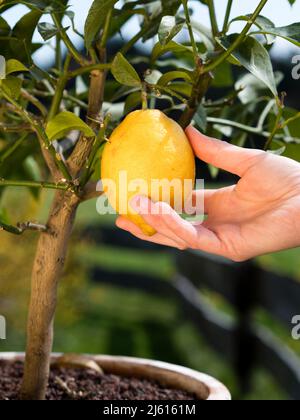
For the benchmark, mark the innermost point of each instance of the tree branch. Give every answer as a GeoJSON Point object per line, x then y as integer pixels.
{"type": "Point", "coordinates": [88, 69]}
{"type": "Point", "coordinates": [227, 16]}
{"type": "Point", "coordinates": [190, 29]}
{"type": "Point", "coordinates": [69, 44]}
{"type": "Point", "coordinates": [15, 128]}
{"type": "Point", "coordinates": [252, 130]}
{"type": "Point", "coordinates": [60, 88]}
{"type": "Point", "coordinates": [47, 146]}
{"type": "Point", "coordinates": [64, 186]}
{"type": "Point", "coordinates": [199, 90]}
{"type": "Point", "coordinates": [213, 18]}
{"type": "Point", "coordinates": [79, 158]}
{"type": "Point", "coordinates": [34, 101]}
{"type": "Point", "coordinates": [99, 140]}
{"type": "Point", "coordinates": [91, 191]}
{"type": "Point", "coordinates": [22, 227]}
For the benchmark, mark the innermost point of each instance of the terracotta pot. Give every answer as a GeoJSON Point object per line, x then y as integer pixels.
{"type": "Point", "coordinates": [169, 375]}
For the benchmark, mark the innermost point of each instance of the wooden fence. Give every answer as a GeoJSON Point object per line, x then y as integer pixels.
{"type": "Point", "coordinates": [245, 286]}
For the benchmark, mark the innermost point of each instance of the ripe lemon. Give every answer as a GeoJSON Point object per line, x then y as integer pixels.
{"type": "Point", "coordinates": [147, 147]}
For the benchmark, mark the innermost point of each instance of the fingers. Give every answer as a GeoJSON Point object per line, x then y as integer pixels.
{"type": "Point", "coordinates": [202, 200]}
{"type": "Point", "coordinates": [171, 228]}
{"type": "Point", "coordinates": [234, 159]}
{"type": "Point", "coordinates": [154, 214]}
{"type": "Point", "coordinates": [130, 227]}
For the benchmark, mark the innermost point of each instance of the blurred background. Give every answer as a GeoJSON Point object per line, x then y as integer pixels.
{"type": "Point", "coordinates": [120, 296]}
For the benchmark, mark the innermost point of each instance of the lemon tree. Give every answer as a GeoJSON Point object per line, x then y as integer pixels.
{"type": "Point", "coordinates": [54, 123]}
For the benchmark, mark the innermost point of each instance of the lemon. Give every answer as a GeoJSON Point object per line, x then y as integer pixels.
{"type": "Point", "coordinates": [145, 149]}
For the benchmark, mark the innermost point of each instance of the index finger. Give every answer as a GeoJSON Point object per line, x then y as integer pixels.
{"type": "Point", "coordinates": [234, 159]}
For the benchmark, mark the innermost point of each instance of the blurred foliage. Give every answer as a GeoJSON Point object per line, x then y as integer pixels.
{"type": "Point", "coordinates": [95, 318]}
{"type": "Point", "coordinates": [47, 105]}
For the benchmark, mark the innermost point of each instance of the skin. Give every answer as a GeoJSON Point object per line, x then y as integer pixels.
{"type": "Point", "coordinates": [258, 215]}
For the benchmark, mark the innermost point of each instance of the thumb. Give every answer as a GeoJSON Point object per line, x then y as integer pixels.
{"type": "Point", "coordinates": [221, 154]}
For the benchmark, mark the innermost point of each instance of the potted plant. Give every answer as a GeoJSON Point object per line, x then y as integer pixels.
{"type": "Point", "coordinates": [40, 108]}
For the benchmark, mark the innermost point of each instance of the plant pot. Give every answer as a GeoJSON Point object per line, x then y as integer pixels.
{"type": "Point", "coordinates": [166, 374]}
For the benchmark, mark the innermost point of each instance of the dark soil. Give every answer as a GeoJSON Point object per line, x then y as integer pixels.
{"type": "Point", "coordinates": [85, 384]}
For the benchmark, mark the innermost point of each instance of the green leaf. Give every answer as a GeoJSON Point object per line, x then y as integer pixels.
{"type": "Point", "coordinates": [205, 34]}
{"type": "Point", "coordinates": [47, 30]}
{"type": "Point", "coordinates": [12, 86]}
{"type": "Point", "coordinates": [96, 18]}
{"type": "Point", "coordinates": [172, 46]}
{"type": "Point", "coordinates": [200, 118]}
{"type": "Point", "coordinates": [291, 151]}
{"type": "Point", "coordinates": [255, 58]}
{"type": "Point", "coordinates": [173, 75]}
{"type": "Point", "coordinates": [65, 122]}
{"type": "Point", "coordinates": [4, 216]}
{"type": "Point", "coordinates": [132, 101]}
{"type": "Point", "coordinates": [22, 35]}
{"type": "Point", "coordinates": [44, 6]}
{"type": "Point", "coordinates": [169, 28]}
{"type": "Point", "coordinates": [261, 22]}
{"type": "Point", "coordinates": [182, 88]}
{"type": "Point", "coordinates": [223, 76]}
{"type": "Point", "coordinates": [14, 66]}
{"type": "Point", "coordinates": [159, 9]}
{"type": "Point", "coordinates": [290, 33]}
{"type": "Point", "coordinates": [252, 87]}
{"type": "Point", "coordinates": [124, 73]}
{"type": "Point", "coordinates": [153, 77]}
{"type": "Point", "coordinates": [2, 67]}
{"type": "Point", "coordinates": [4, 27]}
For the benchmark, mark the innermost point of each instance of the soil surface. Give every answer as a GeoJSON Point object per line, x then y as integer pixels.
{"type": "Point", "coordinates": [86, 384]}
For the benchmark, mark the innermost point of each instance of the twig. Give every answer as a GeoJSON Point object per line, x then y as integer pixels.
{"type": "Point", "coordinates": [88, 69]}
{"type": "Point", "coordinates": [238, 40]}
{"type": "Point", "coordinates": [64, 386]}
{"type": "Point", "coordinates": [290, 120]}
{"type": "Point", "coordinates": [190, 29]}
{"type": "Point", "coordinates": [69, 44]}
{"type": "Point", "coordinates": [80, 156]}
{"type": "Point", "coordinates": [15, 128]}
{"type": "Point", "coordinates": [22, 227]}
{"type": "Point", "coordinates": [275, 129]}
{"type": "Point", "coordinates": [251, 130]}
{"type": "Point", "coordinates": [34, 101]}
{"type": "Point", "coordinates": [38, 128]}
{"type": "Point", "coordinates": [167, 90]}
{"type": "Point", "coordinates": [6, 153]}
{"type": "Point", "coordinates": [227, 16]}
{"type": "Point", "coordinates": [95, 149]}
{"type": "Point", "coordinates": [64, 186]}
{"type": "Point", "coordinates": [213, 18]}
{"type": "Point", "coordinates": [199, 90]}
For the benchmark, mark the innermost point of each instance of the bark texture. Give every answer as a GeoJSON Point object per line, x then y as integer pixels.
{"type": "Point", "coordinates": [47, 270]}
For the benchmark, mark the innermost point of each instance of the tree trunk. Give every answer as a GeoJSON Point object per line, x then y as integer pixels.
{"type": "Point", "coordinates": [47, 270]}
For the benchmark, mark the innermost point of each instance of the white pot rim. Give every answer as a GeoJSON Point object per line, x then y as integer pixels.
{"type": "Point", "coordinates": [204, 386]}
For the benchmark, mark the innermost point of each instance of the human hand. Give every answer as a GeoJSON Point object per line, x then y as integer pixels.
{"type": "Point", "coordinates": [258, 215]}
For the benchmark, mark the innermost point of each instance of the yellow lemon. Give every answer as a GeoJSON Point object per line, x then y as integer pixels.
{"type": "Point", "coordinates": [147, 154]}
